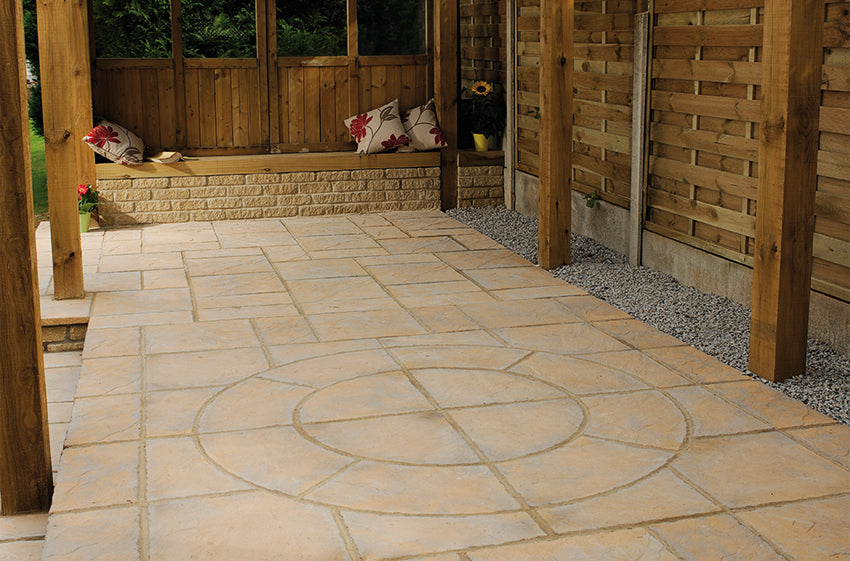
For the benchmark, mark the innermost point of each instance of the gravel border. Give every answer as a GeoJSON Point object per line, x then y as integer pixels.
{"type": "Point", "coordinates": [714, 324]}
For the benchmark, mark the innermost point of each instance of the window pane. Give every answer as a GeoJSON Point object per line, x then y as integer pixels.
{"type": "Point", "coordinates": [219, 29]}
{"type": "Point", "coordinates": [311, 28]}
{"type": "Point", "coordinates": [391, 27]}
{"type": "Point", "coordinates": [135, 29]}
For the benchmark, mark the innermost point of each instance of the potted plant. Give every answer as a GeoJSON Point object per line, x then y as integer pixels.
{"type": "Point", "coordinates": [86, 203]}
{"type": "Point", "coordinates": [483, 112]}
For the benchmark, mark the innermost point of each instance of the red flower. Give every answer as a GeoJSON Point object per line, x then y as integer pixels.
{"type": "Point", "coordinates": [392, 141]}
{"type": "Point", "coordinates": [82, 190]}
{"type": "Point", "coordinates": [358, 126]}
{"type": "Point", "coordinates": [438, 136]}
{"type": "Point", "coordinates": [100, 135]}
{"type": "Point", "coordinates": [405, 116]}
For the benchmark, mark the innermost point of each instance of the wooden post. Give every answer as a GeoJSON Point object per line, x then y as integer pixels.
{"type": "Point", "coordinates": [640, 96]}
{"type": "Point", "coordinates": [67, 106]}
{"type": "Point", "coordinates": [26, 479]}
{"type": "Point", "coordinates": [556, 131]}
{"type": "Point", "coordinates": [788, 151]}
{"type": "Point", "coordinates": [446, 94]}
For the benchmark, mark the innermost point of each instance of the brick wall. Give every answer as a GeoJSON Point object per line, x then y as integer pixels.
{"type": "Point", "coordinates": [480, 186]}
{"type": "Point", "coordinates": [268, 195]}
{"type": "Point", "coordinates": [63, 335]}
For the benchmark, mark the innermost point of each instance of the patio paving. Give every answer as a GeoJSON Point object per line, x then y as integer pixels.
{"type": "Point", "coordinates": [397, 386]}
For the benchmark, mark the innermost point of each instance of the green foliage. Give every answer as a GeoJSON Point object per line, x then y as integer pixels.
{"type": "Point", "coordinates": [391, 27]}
{"type": "Point", "coordinates": [132, 28]}
{"type": "Point", "coordinates": [219, 29]}
{"type": "Point", "coordinates": [312, 28]}
{"type": "Point", "coordinates": [591, 198]}
{"type": "Point", "coordinates": [39, 172]}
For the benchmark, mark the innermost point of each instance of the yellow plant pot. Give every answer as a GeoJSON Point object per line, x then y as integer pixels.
{"type": "Point", "coordinates": [482, 142]}
{"type": "Point", "coordinates": [85, 221]}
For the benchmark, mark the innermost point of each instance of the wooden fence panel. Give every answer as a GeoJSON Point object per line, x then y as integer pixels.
{"type": "Point", "coordinates": [528, 85]}
{"type": "Point", "coordinates": [704, 134]}
{"type": "Point", "coordinates": [703, 167]}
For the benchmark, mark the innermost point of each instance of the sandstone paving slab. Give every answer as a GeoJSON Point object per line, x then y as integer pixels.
{"type": "Point", "coordinates": [398, 386]}
{"type": "Point", "coordinates": [380, 536]}
{"type": "Point", "coordinates": [815, 529]}
{"type": "Point", "coordinates": [717, 536]}
{"type": "Point", "coordinates": [757, 469]}
{"type": "Point", "coordinates": [111, 534]}
{"type": "Point", "coordinates": [266, 527]}
{"type": "Point", "coordinates": [21, 550]}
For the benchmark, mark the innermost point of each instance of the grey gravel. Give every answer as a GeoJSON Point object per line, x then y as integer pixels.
{"type": "Point", "coordinates": [714, 324]}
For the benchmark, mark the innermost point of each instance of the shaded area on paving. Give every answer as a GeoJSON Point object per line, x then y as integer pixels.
{"type": "Point", "coordinates": [398, 385]}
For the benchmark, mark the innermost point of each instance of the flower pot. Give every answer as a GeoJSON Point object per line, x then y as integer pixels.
{"type": "Point", "coordinates": [85, 221]}
{"type": "Point", "coordinates": [482, 142]}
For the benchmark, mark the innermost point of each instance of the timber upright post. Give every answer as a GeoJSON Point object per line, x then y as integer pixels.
{"type": "Point", "coordinates": [446, 94]}
{"type": "Point", "coordinates": [26, 477]}
{"type": "Point", "coordinates": [788, 152]}
{"type": "Point", "coordinates": [63, 45]}
{"type": "Point", "coordinates": [556, 132]}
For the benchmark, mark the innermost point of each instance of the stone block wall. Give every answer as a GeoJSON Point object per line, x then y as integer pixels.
{"type": "Point", "coordinates": [63, 335]}
{"type": "Point", "coordinates": [266, 195]}
{"type": "Point", "coordinates": [480, 186]}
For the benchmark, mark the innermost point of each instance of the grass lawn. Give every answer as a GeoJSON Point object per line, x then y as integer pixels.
{"type": "Point", "coordinates": [39, 174]}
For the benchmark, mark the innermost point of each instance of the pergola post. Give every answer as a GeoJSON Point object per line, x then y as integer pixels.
{"type": "Point", "coordinates": [446, 94]}
{"type": "Point", "coordinates": [63, 44]}
{"type": "Point", "coordinates": [26, 479]}
{"type": "Point", "coordinates": [556, 131]}
{"type": "Point", "coordinates": [788, 152]}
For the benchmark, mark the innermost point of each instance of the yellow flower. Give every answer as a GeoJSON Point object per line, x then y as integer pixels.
{"type": "Point", "coordinates": [481, 88]}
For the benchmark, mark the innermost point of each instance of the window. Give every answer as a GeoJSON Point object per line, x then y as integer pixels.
{"type": "Point", "coordinates": [391, 27]}
{"type": "Point", "coordinates": [311, 28]}
{"type": "Point", "coordinates": [219, 29]}
{"type": "Point", "coordinates": [132, 29]}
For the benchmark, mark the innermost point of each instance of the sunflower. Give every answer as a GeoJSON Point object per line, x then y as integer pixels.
{"type": "Point", "coordinates": [481, 88]}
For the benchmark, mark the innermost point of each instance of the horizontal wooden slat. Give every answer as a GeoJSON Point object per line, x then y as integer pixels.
{"type": "Point", "coordinates": [709, 35]}
{"type": "Point", "coordinates": [711, 106]}
{"type": "Point", "coordinates": [673, 6]}
{"type": "Point", "coordinates": [217, 63]}
{"type": "Point", "coordinates": [724, 71]}
{"type": "Point", "coordinates": [717, 143]}
{"type": "Point", "coordinates": [716, 216]}
{"type": "Point", "coordinates": [722, 181]}
{"type": "Point", "coordinates": [271, 163]}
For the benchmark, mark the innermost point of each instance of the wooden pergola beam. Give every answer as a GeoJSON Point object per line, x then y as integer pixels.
{"type": "Point", "coordinates": [556, 132]}
{"type": "Point", "coordinates": [63, 45]}
{"type": "Point", "coordinates": [788, 152]}
{"type": "Point", "coordinates": [26, 479]}
{"type": "Point", "coordinates": [446, 94]}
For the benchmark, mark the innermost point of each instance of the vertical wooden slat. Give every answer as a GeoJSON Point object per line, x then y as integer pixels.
{"type": "Point", "coordinates": [151, 128]}
{"type": "Point", "coordinates": [296, 105]}
{"type": "Point", "coordinates": [65, 81]}
{"type": "Point", "coordinates": [353, 64]}
{"type": "Point", "coordinates": [268, 72]}
{"type": "Point", "coordinates": [312, 99]}
{"type": "Point", "coordinates": [446, 94]}
{"type": "Point", "coordinates": [255, 116]}
{"type": "Point", "coordinates": [26, 480]}
{"type": "Point", "coordinates": [640, 136]}
{"type": "Point", "coordinates": [283, 104]}
{"type": "Point", "coordinates": [342, 103]}
{"type": "Point", "coordinates": [223, 108]}
{"type": "Point", "coordinates": [193, 110]}
{"type": "Point", "coordinates": [206, 94]}
{"type": "Point", "coordinates": [788, 150]}
{"type": "Point", "coordinates": [180, 86]}
{"type": "Point", "coordinates": [327, 104]}
{"type": "Point", "coordinates": [167, 109]}
{"type": "Point", "coordinates": [556, 131]}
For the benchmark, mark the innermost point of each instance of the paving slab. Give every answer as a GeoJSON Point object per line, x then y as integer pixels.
{"type": "Point", "coordinates": [395, 386]}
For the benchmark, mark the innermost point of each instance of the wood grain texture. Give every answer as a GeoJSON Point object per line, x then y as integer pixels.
{"type": "Point", "coordinates": [793, 50]}
{"type": "Point", "coordinates": [64, 67]}
{"type": "Point", "coordinates": [556, 132]}
{"type": "Point", "coordinates": [26, 479]}
{"type": "Point", "coordinates": [446, 94]}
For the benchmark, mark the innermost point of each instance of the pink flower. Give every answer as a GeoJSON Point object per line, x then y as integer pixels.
{"type": "Point", "coordinates": [358, 126]}
{"type": "Point", "coordinates": [392, 141]}
{"type": "Point", "coordinates": [438, 136]}
{"type": "Point", "coordinates": [82, 190]}
{"type": "Point", "coordinates": [100, 135]}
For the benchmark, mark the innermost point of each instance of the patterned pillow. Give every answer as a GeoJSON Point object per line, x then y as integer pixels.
{"type": "Point", "coordinates": [378, 130]}
{"type": "Point", "coordinates": [420, 124]}
{"type": "Point", "coordinates": [116, 143]}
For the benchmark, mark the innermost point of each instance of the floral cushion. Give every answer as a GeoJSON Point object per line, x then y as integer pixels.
{"type": "Point", "coordinates": [378, 130]}
{"type": "Point", "coordinates": [420, 124]}
{"type": "Point", "coordinates": [116, 143]}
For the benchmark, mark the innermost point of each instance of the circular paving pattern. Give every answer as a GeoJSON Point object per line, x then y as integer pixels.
{"type": "Point", "coordinates": [370, 432]}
